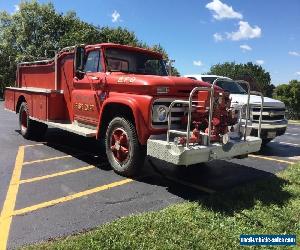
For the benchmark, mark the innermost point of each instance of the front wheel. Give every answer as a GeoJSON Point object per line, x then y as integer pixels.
{"type": "Point", "coordinates": [124, 153]}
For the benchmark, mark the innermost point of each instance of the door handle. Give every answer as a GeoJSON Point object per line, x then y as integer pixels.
{"type": "Point", "coordinates": [95, 78]}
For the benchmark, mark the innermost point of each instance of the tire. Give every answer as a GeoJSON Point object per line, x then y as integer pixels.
{"type": "Point", "coordinates": [124, 153]}
{"type": "Point", "coordinates": [265, 142]}
{"type": "Point", "coordinates": [30, 129]}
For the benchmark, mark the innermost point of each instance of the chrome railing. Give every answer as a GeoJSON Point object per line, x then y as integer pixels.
{"type": "Point", "coordinates": [190, 102]}
{"type": "Point", "coordinates": [190, 106]}
{"type": "Point", "coordinates": [249, 92]}
{"type": "Point", "coordinates": [261, 110]}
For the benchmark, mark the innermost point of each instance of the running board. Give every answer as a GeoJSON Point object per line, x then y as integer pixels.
{"type": "Point", "coordinates": [71, 127]}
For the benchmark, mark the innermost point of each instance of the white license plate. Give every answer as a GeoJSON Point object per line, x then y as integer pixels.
{"type": "Point", "coordinates": [271, 134]}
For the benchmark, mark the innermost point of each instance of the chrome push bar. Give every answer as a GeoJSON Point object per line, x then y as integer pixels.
{"type": "Point", "coordinates": [261, 110]}
{"type": "Point", "coordinates": [190, 104]}
{"type": "Point", "coordinates": [211, 102]}
{"type": "Point", "coordinates": [249, 92]}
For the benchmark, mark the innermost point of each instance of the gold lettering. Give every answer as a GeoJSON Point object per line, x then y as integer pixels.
{"type": "Point", "coordinates": [120, 80]}
{"type": "Point", "coordinates": [91, 107]}
{"type": "Point", "coordinates": [125, 79]}
{"type": "Point", "coordinates": [132, 79]}
{"type": "Point", "coordinates": [84, 106]}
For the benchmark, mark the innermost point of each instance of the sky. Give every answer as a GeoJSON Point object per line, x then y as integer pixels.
{"type": "Point", "coordinates": [200, 33]}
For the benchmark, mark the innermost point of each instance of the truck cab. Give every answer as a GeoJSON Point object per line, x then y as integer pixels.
{"type": "Point", "coordinates": [274, 122]}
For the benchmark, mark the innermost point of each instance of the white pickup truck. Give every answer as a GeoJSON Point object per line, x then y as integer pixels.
{"type": "Point", "coordinates": [273, 123]}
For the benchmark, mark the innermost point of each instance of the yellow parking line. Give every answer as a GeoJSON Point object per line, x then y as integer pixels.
{"type": "Point", "coordinates": [33, 145]}
{"type": "Point", "coordinates": [57, 174]}
{"type": "Point", "coordinates": [271, 159]}
{"type": "Point", "coordinates": [9, 203]}
{"type": "Point", "coordinates": [47, 159]}
{"type": "Point", "coordinates": [71, 197]}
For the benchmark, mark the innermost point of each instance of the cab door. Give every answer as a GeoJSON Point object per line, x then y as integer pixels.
{"type": "Point", "coordinates": [85, 96]}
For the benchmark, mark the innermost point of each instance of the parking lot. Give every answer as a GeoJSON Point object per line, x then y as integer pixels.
{"type": "Point", "coordinates": [63, 185]}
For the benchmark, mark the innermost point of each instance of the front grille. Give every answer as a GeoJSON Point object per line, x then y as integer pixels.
{"type": "Point", "coordinates": [268, 118]}
{"type": "Point", "coordinates": [268, 114]}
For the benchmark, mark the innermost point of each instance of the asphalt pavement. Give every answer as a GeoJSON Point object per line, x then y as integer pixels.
{"type": "Point", "coordinates": [64, 185]}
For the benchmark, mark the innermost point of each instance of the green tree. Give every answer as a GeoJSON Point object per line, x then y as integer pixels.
{"type": "Point", "coordinates": [290, 95]}
{"type": "Point", "coordinates": [259, 79]}
{"type": "Point", "coordinates": [37, 30]}
{"type": "Point", "coordinates": [160, 49]}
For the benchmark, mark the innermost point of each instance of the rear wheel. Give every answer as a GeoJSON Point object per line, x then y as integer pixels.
{"type": "Point", "coordinates": [124, 153]}
{"type": "Point", "coordinates": [30, 129]}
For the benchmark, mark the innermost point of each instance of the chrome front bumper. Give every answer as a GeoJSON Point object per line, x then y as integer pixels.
{"type": "Point", "coordinates": [265, 127]}
{"type": "Point", "coordinates": [181, 155]}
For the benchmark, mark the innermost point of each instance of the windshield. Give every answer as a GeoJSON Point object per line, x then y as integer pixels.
{"type": "Point", "coordinates": [231, 86]}
{"type": "Point", "coordinates": [209, 79]}
{"type": "Point", "coordinates": [120, 60]}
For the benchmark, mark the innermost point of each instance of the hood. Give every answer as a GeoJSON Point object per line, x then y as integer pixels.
{"type": "Point", "coordinates": [147, 84]}
{"type": "Point", "coordinates": [239, 99]}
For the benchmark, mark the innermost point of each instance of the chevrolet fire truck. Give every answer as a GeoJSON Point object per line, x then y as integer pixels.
{"type": "Point", "coordinates": [123, 95]}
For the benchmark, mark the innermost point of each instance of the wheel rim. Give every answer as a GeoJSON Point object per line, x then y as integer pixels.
{"type": "Point", "coordinates": [24, 119]}
{"type": "Point", "coordinates": [119, 145]}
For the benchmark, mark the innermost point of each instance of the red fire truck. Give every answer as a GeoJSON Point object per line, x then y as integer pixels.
{"type": "Point", "coordinates": [123, 94]}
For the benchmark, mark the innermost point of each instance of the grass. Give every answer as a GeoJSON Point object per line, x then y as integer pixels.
{"type": "Point", "coordinates": [268, 206]}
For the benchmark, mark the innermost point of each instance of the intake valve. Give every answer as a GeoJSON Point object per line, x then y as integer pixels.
{"type": "Point", "coordinates": [195, 137]}
{"type": "Point", "coordinates": [225, 138]}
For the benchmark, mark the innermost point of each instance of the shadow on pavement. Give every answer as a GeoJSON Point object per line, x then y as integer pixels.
{"type": "Point", "coordinates": [279, 150]}
{"type": "Point", "coordinates": [236, 186]}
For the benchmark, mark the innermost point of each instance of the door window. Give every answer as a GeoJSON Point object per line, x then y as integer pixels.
{"type": "Point", "coordinates": [92, 62]}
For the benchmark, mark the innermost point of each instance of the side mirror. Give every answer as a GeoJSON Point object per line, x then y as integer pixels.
{"type": "Point", "coordinates": [79, 53]}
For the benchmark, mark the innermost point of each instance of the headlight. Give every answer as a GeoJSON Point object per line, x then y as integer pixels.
{"type": "Point", "coordinates": [162, 113]}
{"type": "Point", "coordinates": [159, 113]}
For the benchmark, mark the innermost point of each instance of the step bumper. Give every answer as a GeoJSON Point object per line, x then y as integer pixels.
{"type": "Point", "coordinates": [181, 155]}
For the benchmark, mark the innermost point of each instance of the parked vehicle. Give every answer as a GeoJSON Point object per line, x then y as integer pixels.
{"type": "Point", "coordinates": [123, 95]}
{"type": "Point", "coordinates": [274, 122]}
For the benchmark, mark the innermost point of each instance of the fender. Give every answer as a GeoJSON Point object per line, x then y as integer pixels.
{"type": "Point", "coordinates": [140, 105]}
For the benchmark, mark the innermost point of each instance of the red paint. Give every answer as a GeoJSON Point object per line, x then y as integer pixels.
{"type": "Point", "coordinates": [97, 90]}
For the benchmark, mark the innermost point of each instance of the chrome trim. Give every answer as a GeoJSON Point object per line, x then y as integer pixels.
{"type": "Point", "coordinates": [170, 118]}
{"type": "Point", "coordinates": [261, 111]}
{"type": "Point", "coordinates": [266, 113]}
{"type": "Point", "coordinates": [247, 107]}
{"type": "Point", "coordinates": [36, 62]}
{"type": "Point", "coordinates": [56, 69]}
{"type": "Point", "coordinates": [65, 49]}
